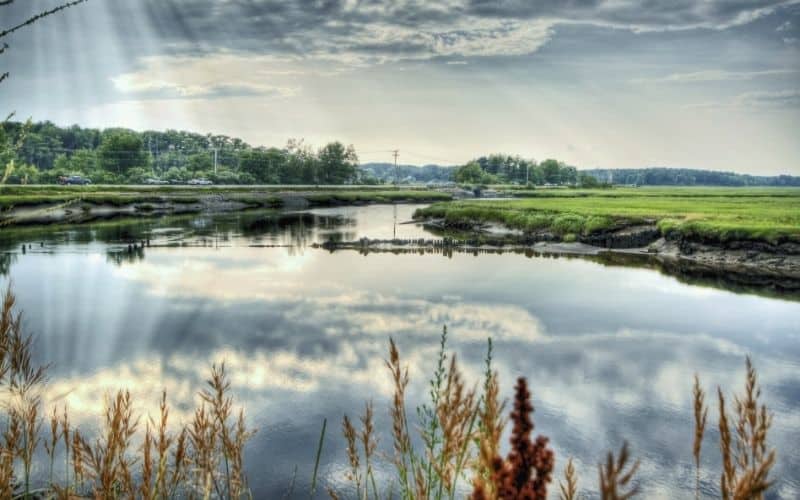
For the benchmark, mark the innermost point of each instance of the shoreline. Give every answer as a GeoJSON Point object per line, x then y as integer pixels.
{"type": "Point", "coordinates": [85, 208]}
{"type": "Point", "coordinates": [738, 268]}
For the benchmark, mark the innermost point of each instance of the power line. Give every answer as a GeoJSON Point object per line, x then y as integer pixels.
{"type": "Point", "coordinates": [428, 157]}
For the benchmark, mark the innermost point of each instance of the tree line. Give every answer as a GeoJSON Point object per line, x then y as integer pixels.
{"type": "Point", "coordinates": [32, 153]}
{"type": "Point", "coordinates": [43, 152]}
{"type": "Point", "coordinates": [662, 176]}
{"type": "Point", "coordinates": [505, 169]}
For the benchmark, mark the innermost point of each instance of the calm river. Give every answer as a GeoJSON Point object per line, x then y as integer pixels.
{"type": "Point", "coordinates": [609, 351]}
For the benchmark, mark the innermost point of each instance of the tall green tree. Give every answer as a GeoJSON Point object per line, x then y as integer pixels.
{"type": "Point", "coordinates": [338, 164]}
{"type": "Point", "coordinates": [122, 150]}
{"type": "Point", "coordinates": [259, 164]}
{"type": "Point", "coordinates": [551, 171]}
{"type": "Point", "coordinates": [472, 173]}
{"type": "Point", "coordinates": [302, 162]}
{"type": "Point", "coordinates": [200, 162]}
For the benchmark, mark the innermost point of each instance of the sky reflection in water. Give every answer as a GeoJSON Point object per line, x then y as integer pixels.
{"type": "Point", "coordinates": [609, 351]}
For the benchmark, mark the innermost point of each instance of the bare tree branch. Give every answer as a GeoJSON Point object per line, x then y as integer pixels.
{"type": "Point", "coordinates": [35, 18]}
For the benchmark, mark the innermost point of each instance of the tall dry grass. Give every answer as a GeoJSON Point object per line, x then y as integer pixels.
{"type": "Point", "coordinates": [461, 441]}
{"type": "Point", "coordinates": [204, 459]}
{"type": "Point", "coordinates": [746, 456]}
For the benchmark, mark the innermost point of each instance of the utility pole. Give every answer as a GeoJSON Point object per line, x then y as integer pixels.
{"type": "Point", "coordinates": [215, 161]}
{"type": "Point", "coordinates": [396, 153]}
{"type": "Point", "coordinates": [152, 160]}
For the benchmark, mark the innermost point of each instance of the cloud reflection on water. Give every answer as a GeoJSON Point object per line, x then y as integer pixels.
{"type": "Point", "coordinates": [610, 352]}
{"type": "Point", "coordinates": [591, 390]}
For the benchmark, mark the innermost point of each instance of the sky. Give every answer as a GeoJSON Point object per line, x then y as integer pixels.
{"type": "Point", "coordinates": [596, 83]}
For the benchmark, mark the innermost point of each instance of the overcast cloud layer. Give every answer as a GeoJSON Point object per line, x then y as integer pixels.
{"type": "Point", "coordinates": [712, 84]}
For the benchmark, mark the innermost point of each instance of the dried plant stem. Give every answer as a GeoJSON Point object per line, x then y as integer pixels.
{"type": "Point", "coordinates": [747, 460]}
{"type": "Point", "coordinates": [404, 456]}
{"type": "Point", "coordinates": [615, 479]}
{"type": "Point", "coordinates": [700, 417]}
{"type": "Point", "coordinates": [569, 487]}
{"type": "Point", "coordinates": [316, 460]}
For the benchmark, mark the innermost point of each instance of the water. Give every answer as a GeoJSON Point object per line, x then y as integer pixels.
{"type": "Point", "coordinates": [609, 351]}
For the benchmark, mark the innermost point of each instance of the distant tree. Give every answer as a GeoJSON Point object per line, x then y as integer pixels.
{"type": "Point", "coordinates": [257, 163]}
{"type": "Point", "coordinates": [38, 148]}
{"type": "Point", "coordinates": [535, 175]}
{"type": "Point", "coordinates": [302, 162]}
{"type": "Point", "coordinates": [177, 174]}
{"type": "Point", "coordinates": [551, 171]}
{"type": "Point", "coordinates": [568, 175]}
{"type": "Point", "coordinates": [225, 177]}
{"type": "Point", "coordinates": [137, 175]}
{"type": "Point", "coordinates": [472, 173]}
{"type": "Point", "coordinates": [200, 162]}
{"type": "Point", "coordinates": [22, 174]}
{"type": "Point", "coordinates": [588, 181]}
{"type": "Point", "coordinates": [122, 150]}
{"type": "Point", "coordinates": [82, 161]}
{"type": "Point", "coordinates": [337, 164]}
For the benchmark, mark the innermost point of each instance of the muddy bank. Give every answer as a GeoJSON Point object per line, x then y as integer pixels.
{"type": "Point", "coordinates": [79, 210]}
{"type": "Point", "coordinates": [756, 266]}
{"type": "Point", "coordinates": [83, 210]}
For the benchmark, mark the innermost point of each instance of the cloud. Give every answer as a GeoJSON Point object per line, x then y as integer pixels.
{"type": "Point", "coordinates": [635, 15]}
{"type": "Point", "coordinates": [755, 99]}
{"type": "Point", "coordinates": [370, 32]}
{"type": "Point", "coordinates": [784, 27]}
{"type": "Point", "coordinates": [714, 75]}
{"type": "Point", "coordinates": [217, 76]}
{"type": "Point", "coordinates": [769, 98]}
{"type": "Point", "coordinates": [160, 89]}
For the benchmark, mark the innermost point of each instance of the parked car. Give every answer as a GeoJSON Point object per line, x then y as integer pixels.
{"type": "Point", "coordinates": [156, 182]}
{"type": "Point", "coordinates": [74, 180]}
{"type": "Point", "coordinates": [200, 182]}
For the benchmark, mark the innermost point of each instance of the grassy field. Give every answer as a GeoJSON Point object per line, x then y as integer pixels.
{"type": "Point", "coordinates": [720, 214]}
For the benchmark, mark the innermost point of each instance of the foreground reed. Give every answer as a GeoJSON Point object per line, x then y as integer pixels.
{"type": "Point", "coordinates": [452, 449]}
{"type": "Point", "coordinates": [459, 433]}
{"type": "Point", "coordinates": [204, 459]}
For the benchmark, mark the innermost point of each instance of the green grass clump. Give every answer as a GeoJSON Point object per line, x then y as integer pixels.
{"type": "Point", "coordinates": [568, 223]}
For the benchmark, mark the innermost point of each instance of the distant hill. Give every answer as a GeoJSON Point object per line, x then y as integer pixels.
{"type": "Point", "coordinates": [408, 173]}
{"type": "Point", "coordinates": [663, 176]}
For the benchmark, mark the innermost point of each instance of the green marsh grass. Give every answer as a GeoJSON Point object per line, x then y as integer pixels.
{"type": "Point", "coordinates": [765, 214]}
